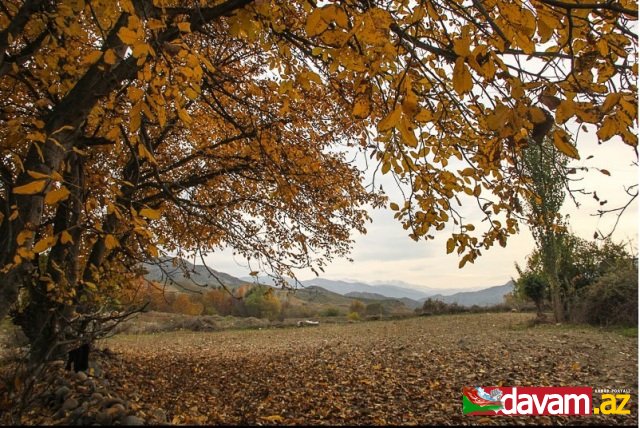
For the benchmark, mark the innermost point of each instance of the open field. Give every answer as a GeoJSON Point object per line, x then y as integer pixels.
{"type": "Point", "coordinates": [389, 372]}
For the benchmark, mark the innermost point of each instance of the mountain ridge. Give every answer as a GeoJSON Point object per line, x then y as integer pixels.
{"type": "Point", "coordinates": [181, 273]}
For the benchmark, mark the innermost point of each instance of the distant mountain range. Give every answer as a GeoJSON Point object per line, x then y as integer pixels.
{"type": "Point", "coordinates": [393, 289]}
{"type": "Point", "coordinates": [185, 275]}
{"type": "Point", "coordinates": [487, 297]}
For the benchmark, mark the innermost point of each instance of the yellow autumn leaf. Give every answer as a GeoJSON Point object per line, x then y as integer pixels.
{"type": "Point", "coordinates": [608, 129]}
{"type": "Point", "coordinates": [23, 236]}
{"type": "Point", "coordinates": [155, 24]}
{"type": "Point", "coordinates": [410, 103]}
{"type": "Point", "coordinates": [44, 244]}
{"type": "Point", "coordinates": [150, 214]}
{"type": "Point", "coordinates": [561, 141]}
{"type": "Point", "coordinates": [386, 167]}
{"type": "Point", "coordinates": [394, 206]}
{"type": "Point", "coordinates": [65, 237]}
{"type": "Point", "coordinates": [462, 46]}
{"type": "Point", "coordinates": [127, 36]}
{"type": "Point", "coordinates": [406, 131]}
{"type": "Point", "coordinates": [184, 27]}
{"type": "Point", "coordinates": [140, 50]}
{"type": "Point", "coordinates": [462, 82]}
{"type": "Point", "coordinates": [92, 57]}
{"type": "Point", "coordinates": [191, 94]}
{"type": "Point", "coordinates": [361, 107]}
{"type": "Point", "coordinates": [498, 118]}
{"type": "Point", "coordinates": [451, 245]}
{"type": "Point", "coordinates": [463, 262]}
{"type": "Point", "coordinates": [565, 110]}
{"type": "Point", "coordinates": [537, 115]}
{"type": "Point", "coordinates": [390, 121]}
{"type": "Point", "coordinates": [30, 188]}
{"type": "Point", "coordinates": [152, 250]}
{"type": "Point", "coordinates": [111, 242]}
{"type": "Point", "coordinates": [273, 418]}
{"type": "Point", "coordinates": [56, 196]}
{"type": "Point", "coordinates": [610, 102]}
{"type": "Point", "coordinates": [110, 57]}
{"type": "Point", "coordinates": [37, 175]}
{"type": "Point", "coordinates": [424, 116]}
{"type": "Point", "coordinates": [315, 23]}
{"type": "Point", "coordinates": [184, 116]}
{"type": "Point", "coordinates": [341, 18]}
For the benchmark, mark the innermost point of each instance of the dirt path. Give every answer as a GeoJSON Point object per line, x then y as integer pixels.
{"type": "Point", "coordinates": [392, 372]}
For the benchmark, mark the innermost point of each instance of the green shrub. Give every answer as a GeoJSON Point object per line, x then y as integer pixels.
{"type": "Point", "coordinates": [261, 302]}
{"type": "Point", "coordinates": [612, 299]}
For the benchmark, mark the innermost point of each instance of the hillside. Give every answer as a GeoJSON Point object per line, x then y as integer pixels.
{"type": "Point", "coordinates": [322, 298]}
{"type": "Point", "coordinates": [389, 291]}
{"type": "Point", "coordinates": [409, 303]}
{"type": "Point", "coordinates": [320, 292]}
{"type": "Point", "coordinates": [487, 297]}
{"type": "Point", "coordinates": [188, 276]}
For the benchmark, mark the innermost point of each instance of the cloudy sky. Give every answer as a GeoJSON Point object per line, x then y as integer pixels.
{"type": "Point", "coordinates": [387, 254]}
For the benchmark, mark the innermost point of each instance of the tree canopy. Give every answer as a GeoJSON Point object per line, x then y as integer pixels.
{"type": "Point", "coordinates": [131, 127]}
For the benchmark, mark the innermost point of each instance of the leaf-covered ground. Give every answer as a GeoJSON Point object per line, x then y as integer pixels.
{"type": "Point", "coordinates": [388, 372]}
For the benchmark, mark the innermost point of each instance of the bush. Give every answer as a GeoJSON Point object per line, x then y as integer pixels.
{"type": "Point", "coordinates": [375, 309]}
{"type": "Point", "coordinates": [353, 316]}
{"type": "Point", "coordinates": [358, 307]}
{"type": "Point", "coordinates": [330, 312]}
{"type": "Point", "coordinates": [298, 311]}
{"type": "Point", "coordinates": [438, 307]}
{"type": "Point", "coordinates": [612, 299]}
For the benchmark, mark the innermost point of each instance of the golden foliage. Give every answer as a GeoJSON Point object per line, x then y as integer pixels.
{"type": "Point", "coordinates": [178, 128]}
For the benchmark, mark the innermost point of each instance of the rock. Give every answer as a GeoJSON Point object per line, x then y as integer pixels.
{"type": "Point", "coordinates": [116, 411]}
{"type": "Point", "coordinates": [109, 402]}
{"type": "Point", "coordinates": [62, 392]}
{"type": "Point", "coordinates": [132, 420]}
{"type": "Point", "coordinates": [104, 418]}
{"type": "Point", "coordinates": [77, 413]}
{"type": "Point", "coordinates": [69, 404]}
{"type": "Point", "coordinates": [81, 376]}
{"type": "Point", "coordinates": [96, 396]}
{"type": "Point", "coordinates": [158, 415]}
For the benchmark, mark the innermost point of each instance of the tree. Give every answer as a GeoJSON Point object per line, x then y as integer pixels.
{"type": "Point", "coordinates": [134, 127]}
{"type": "Point", "coordinates": [533, 286]}
{"type": "Point", "coordinates": [220, 300]}
{"type": "Point", "coordinates": [546, 168]}
{"type": "Point", "coordinates": [185, 305]}
{"type": "Point", "coordinates": [581, 265]}
{"type": "Point", "coordinates": [262, 302]}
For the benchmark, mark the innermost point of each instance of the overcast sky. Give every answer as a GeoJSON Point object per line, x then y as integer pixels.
{"type": "Point", "coordinates": [387, 254]}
